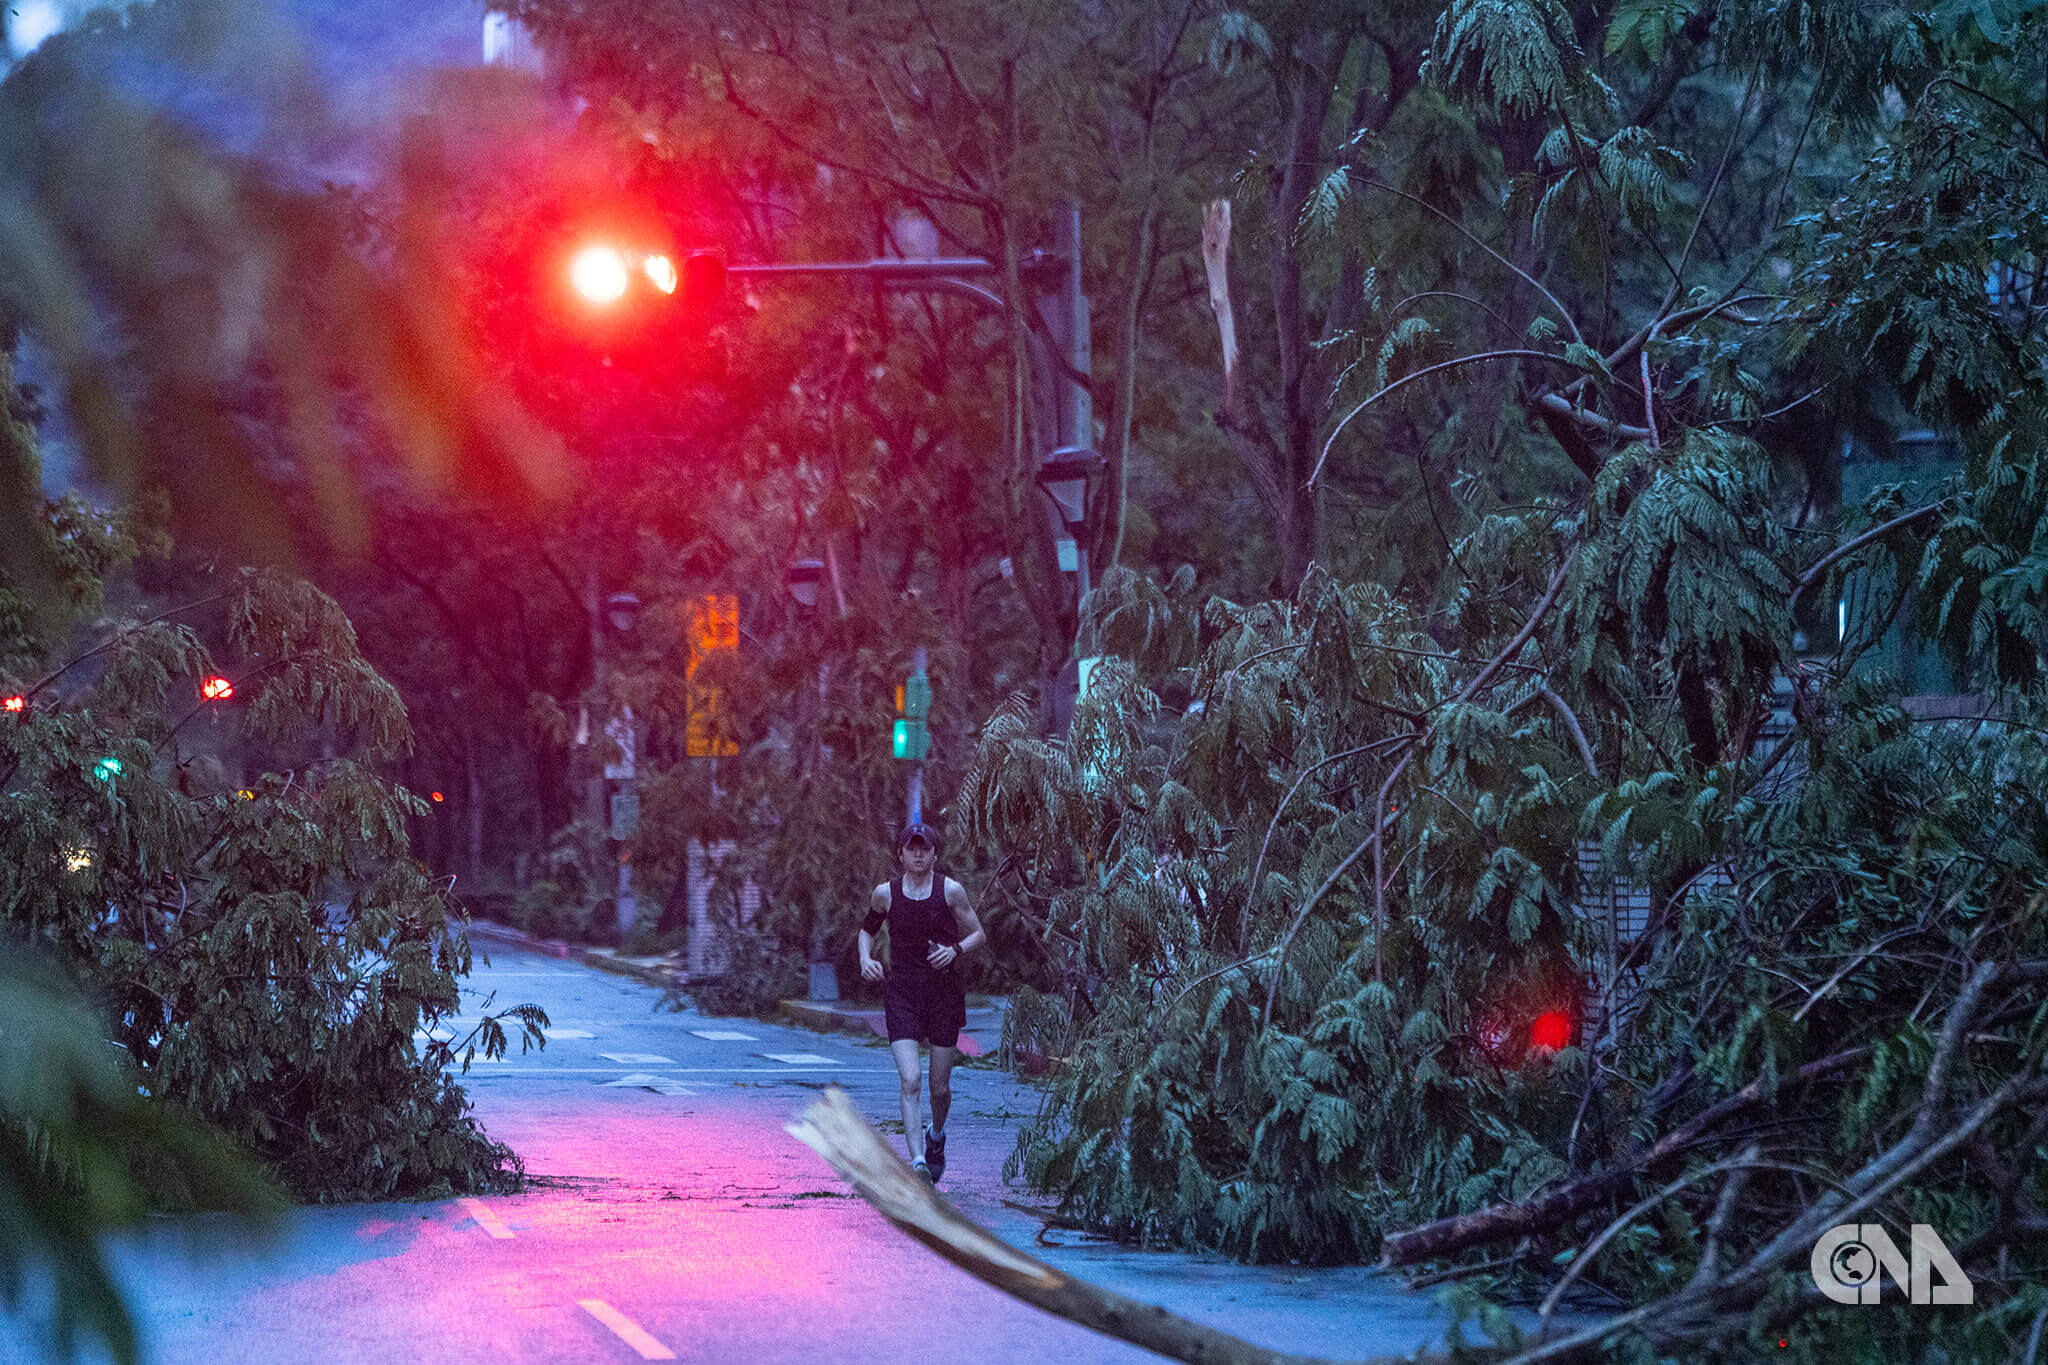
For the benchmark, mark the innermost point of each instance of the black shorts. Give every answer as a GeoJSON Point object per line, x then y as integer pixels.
{"type": "Point", "coordinates": [926, 1006]}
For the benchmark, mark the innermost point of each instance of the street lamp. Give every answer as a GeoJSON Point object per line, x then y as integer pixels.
{"type": "Point", "coordinates": [1064, 475]}
{"type": "Point", "coordinates": [804, 577]}
{"type": "Point", "coordinates": [622, 609]}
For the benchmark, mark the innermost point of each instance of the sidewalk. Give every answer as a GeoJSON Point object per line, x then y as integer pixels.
{"type": "Point", "coordinates": [665, 972]}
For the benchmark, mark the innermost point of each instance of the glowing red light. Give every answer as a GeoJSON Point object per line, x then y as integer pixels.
{"type": "Point", "coordinates": [1552, 1030]}
{"type": "Point", "coordinates": [216, 688]}
{"type": "Point", "coordinates": [599, 274]}
{"type": "Point", "coordinates": [660, 272]}
{"type": "Point", "coordinates": [437, 796]}
{"type": "Point", "coordinates": [14, 704]}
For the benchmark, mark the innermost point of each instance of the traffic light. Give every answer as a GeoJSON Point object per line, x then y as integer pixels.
{"type": "Point", "coordinates": [14, 705]}
{"type": "Point", "coordinates": [606, 273]}
{"type": "Point", "coordinates": [913, 738]}
{"type": "Point", "coordinates": [714, 627]}
{"type": "Point", "coordinates": [216, 688]}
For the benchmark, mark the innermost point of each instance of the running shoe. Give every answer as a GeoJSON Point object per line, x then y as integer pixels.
{"type": "Point", "coordinates": [923, 1171]}
{"type": "Point", "coordinates": [935, 1154]}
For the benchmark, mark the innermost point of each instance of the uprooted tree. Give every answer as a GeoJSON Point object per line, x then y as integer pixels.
{"type": "Point", "coordinates": [1311, 922]}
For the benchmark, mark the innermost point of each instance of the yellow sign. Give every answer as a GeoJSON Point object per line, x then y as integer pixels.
{"type": "Point", "coordinates": [714, 625]}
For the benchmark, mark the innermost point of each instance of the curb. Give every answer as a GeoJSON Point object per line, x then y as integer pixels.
{"type": "Point", "coordinates": [831, 1018]}
{"type": "Point", "coordinates": [590, 957]}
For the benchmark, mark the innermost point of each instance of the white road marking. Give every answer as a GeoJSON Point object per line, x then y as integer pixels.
{"type": "Point", "coordinates": [568, 1033]}
{"type": "Point", "coordinates": [799, 1059]}
{"type": "Point", "coordinates": [488, 1221]}
{"type": "Point", "coordinates": [636, 1058]}
{"type": "Point", "coordinates": [725, 1035]}
{"type": "Point", "coordinates": [664, 1085]}
{"type": "Point", "coordinates": [627, 1330]}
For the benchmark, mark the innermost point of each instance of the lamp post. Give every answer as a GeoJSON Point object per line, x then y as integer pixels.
{"type": "Point", "coordinates": [804, 579]}
{"type": "Point", "coordinates": [622, 612]}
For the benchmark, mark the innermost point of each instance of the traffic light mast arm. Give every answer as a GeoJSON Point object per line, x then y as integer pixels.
{"type": "Point", "coordinates": [938, 275]}
{"type": "Point", "coordinates": [883, 267]}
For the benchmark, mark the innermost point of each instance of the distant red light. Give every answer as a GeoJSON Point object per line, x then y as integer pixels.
{"type": "Point", "coordinates": [216, 688]}
{"type": "Point", "coordinates": [1552, 1030]}
{"type": "Point", "coordinates": [14, 704]}
{"type": "Point", "coordinates": [437, 796]}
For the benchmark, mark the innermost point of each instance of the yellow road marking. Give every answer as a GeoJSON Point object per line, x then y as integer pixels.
{"type": "Point", "coordinates": [627, 1330]}
{"type": "Point", "coordinates": [485, 1219]}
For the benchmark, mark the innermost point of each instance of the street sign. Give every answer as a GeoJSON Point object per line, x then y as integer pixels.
{"type": "Point", "coordinates": [619, 730]}
{"type": "Point", "coordinates": [625, 814]}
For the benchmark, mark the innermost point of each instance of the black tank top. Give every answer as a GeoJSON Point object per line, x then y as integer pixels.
{"type": "Point", "coordinates": [915, 925]}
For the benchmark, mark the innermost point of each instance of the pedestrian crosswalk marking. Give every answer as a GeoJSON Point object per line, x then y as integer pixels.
{"type": "Point", "coordinates": [798, 1058]}
{"type": "Point", "coordinates": [568, 1033]}
{"type": "Point", "coordinates": [488, 1221]}
{"type": "Point", "coordinates": [637, 1058]}
{"type": "Point", "coordinates": [663, 1085]}
{"type": "Point", "coordinates": [627, 1330]}
{"type": "Point", "coordinates": [725, 1035]}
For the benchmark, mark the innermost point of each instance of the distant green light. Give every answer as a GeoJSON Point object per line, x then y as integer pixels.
{"type": "Point", "coordinates": [107, 769]}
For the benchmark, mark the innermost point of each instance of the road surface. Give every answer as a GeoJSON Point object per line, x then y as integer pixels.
{"type": "Point", "coordinates": [673, 1217]}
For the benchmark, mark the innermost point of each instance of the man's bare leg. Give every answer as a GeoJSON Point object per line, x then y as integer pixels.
{"type": "Point", "coordinates": [909, 1074]}
{"type": "Point", "coordinates": [942, 1086]}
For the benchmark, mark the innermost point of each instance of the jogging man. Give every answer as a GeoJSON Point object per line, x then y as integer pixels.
{"type": "Point", "coordinates": [930, 926]}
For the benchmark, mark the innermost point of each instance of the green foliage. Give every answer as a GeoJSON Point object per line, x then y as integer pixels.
{"type": "Point", "coordinates": [1306, 912]}
{"type": "Point", "coordinates": [759, 975]}
{"type": "Point", "coordinates": [82, 1154]}
{"type": "Point", "coordinates": [260, 939]}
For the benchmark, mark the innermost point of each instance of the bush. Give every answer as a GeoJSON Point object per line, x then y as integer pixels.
{"type": "Point", "coordinates": [760, 974]}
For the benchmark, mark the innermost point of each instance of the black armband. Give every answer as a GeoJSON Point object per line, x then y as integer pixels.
{"type": "Point", "coordinates": [873, 922]}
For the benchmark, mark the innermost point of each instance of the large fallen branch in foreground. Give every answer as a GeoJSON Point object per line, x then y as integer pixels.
{"type": "Point", "coordinates": [833, 1129]}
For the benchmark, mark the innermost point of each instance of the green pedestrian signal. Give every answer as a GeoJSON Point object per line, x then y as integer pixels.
{"type": "Point", "coordinates": [107, 769]}
{"type": "Point", "coordinates": [912, 740]}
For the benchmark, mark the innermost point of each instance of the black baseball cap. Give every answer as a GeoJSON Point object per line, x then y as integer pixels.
{"type": "Point", "coordinates": [917, 829]}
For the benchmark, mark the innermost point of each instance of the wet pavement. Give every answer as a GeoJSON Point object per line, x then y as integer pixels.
{"type": "Point", "coordinates": [672, 1216]}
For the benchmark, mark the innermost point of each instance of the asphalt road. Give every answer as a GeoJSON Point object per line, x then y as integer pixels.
{"type": "Point", "coordinates": [672, 1215]}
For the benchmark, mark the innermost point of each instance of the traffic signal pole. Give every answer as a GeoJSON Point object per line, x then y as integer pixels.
{"type": "Point", "coordinates": [916, 798]}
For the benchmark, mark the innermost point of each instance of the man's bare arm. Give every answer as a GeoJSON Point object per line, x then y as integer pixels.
{"type": "Point", "coordinates": [964, 918]}
{"type": "Point", "coordinates": [878, 903]}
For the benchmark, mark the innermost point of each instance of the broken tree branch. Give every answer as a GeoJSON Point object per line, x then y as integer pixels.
{"type": "Point", "coordinates": [833, 1129]}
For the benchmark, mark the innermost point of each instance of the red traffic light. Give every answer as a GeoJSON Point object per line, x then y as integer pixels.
{"type": "Point", "coordinates": [599, 274]}
{"type": "Point", "coordinates": [1551, 1030]}
{"type": "Point", "coordinates": [437, 797]}
{"type": "Point", "coordinates": [603, 274]}
{"type": "Point", "coordinates": [14, 705]}
{"type": "Point", "coordinates": [216, 688]}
